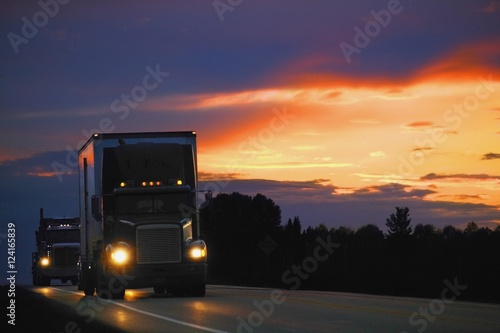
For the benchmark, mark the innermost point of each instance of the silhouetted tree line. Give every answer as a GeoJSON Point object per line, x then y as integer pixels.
{"type": "Point", "coordinates": [248, 245]}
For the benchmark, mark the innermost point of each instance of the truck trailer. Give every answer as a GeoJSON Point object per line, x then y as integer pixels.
{"type": "Point", "coordinates": [139, 215]}
{"type": "Point", "coordinates": [58, 247]}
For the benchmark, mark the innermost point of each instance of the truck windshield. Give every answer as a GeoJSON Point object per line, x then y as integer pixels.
{"type": "Point", "coordinates": [63, 236]}
{"type": "Point", "coordinates": [151, 203]}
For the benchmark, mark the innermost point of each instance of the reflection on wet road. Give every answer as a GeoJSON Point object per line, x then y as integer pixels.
{"type": "Point", "coordinates": [238, 309]}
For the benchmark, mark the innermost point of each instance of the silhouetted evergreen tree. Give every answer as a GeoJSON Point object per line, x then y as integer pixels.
{"type": "Point", "coordinates": [450, 232]}
{"type": "Point", "coordinates": [471, 228]}
{"type": "Point", "coordinates": [399, 245]}
{"type": "Point", "coordinates": [294, 243]}
{"type": "Point", "coordinates": [424, 231]}
{"type": "Point", "coordinates": [399, 223]}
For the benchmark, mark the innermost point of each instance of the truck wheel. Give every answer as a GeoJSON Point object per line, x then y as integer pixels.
{"type": "Point", "coordinates": [159, 289]}
{"type": "Point", "coordinates": [118, 295]}
{"type": "Point", "coordinates": [88, 290]}
{"type": "Point", "coordinates": [198, 290]}
{"type": "Point", "coordinates": [38, 280]}
{"type": "Point", "coordinates": [45, 281]}
{"type": "Point", "coordinates": [88, 284]}
{"type": "Point", "coordinates": [103, 290]}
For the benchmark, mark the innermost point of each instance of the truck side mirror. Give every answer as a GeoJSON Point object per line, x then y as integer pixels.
{"type": "Point", "coordinates": [209, 200]}
{"type": "Point", "coordinates": [96, 207]}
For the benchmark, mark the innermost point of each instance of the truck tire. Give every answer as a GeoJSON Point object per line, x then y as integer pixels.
{"type": "Point", "coordinates": [107, 288]}
{"type": "Point", "coordinates": [118, 295]}
{"type": "Point", "coordinates": [88, 290]}
{"type": "Point", "coordinates": [87, 282]}
{"type": "Point", "coordinates": [159, 289]}
{"type": "Point", "coordinates": [198, 290]}
{"type": "Point", "coordinates": [45, 281]}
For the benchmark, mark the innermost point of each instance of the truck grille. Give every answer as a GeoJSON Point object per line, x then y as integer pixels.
{"type": "Point", "coordinates": [158, 244]}
{"type": "Point", "coordinates": [65, 256]}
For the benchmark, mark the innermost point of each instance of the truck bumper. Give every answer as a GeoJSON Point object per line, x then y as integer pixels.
{"type": "Point", "coordinates": [168, 275]}
{"type": "Point", "coordinates": [58, 272]}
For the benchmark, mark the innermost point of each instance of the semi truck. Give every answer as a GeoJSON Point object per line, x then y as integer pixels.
{"type": "Point", "coordinates": [139, 215]}
{"type": "Point", "coordinates": [58, 248]}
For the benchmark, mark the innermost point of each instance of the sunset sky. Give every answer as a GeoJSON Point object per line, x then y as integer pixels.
{"type": "Point", "coordinates": [337, 110]}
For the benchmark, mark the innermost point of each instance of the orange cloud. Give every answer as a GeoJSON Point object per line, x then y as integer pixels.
{"type": "Point", "coordinates": [465, 63]}
{"type": "Point", "coordinates": [420, 124]}
{"type": "Point", "coordinates": [208, 176]}
{"type": "Point", "coordinates": [461, 197]}
{"type": "Point", "coordinates": [460, 177]}
{"type": "Point", "coordinates": [490, 156]}
{"type": "Point", "coordinates": [46, 174]}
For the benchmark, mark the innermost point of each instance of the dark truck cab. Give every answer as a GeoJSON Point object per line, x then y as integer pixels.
{"type": "Point", "coordinates": [58, 246]}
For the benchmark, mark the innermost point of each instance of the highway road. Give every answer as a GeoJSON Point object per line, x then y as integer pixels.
{"type": "Point", "coordinates": [247, 310]}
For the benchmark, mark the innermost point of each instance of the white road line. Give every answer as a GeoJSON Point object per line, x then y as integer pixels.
{"type": "Point", "coordinates": [172, 320]}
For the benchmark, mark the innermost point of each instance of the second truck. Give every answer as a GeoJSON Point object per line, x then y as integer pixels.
{"type": "Point", "coordinates": [58, 247]}
{"type": "Point", "coordinates": [139, 215]}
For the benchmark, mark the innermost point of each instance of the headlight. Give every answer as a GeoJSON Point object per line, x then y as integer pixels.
{"type": "Point", "coordinates": [196, 250]}
{"type": "Point", "coordinates": [44, 261]}
{"type": "Point", "coordinates": [119, 254]}
{"type": "Point", "coordinates": [197, 253]}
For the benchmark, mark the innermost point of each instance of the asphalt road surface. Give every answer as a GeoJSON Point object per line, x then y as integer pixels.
{"type": "Point", "coordinates": [246, 310]}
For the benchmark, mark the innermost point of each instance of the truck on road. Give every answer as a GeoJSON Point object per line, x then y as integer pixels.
{"type": "Point", "coordinates": [139, 215]}
{"type": "Point", "coordinates": [58, 247]}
